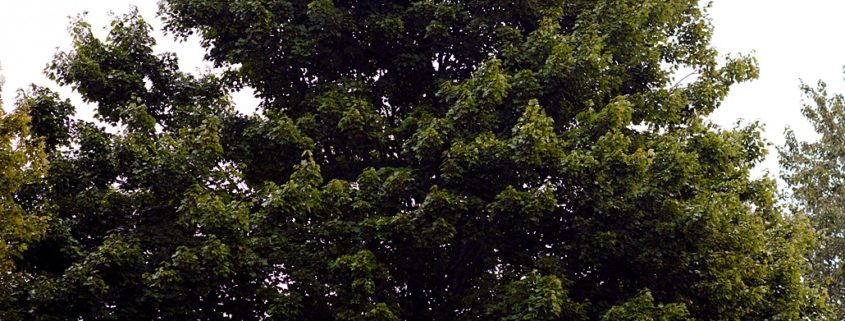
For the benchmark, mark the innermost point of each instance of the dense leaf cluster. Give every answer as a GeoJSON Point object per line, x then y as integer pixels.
{"type": "Point", "coordinates": [410, 160]}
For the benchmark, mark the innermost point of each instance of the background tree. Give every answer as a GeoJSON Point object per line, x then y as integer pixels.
{"type": "Point", "coordinates": [22, 161]}
{"type": "Point", "coordinates": [813, 172]}
{"type": "Point", "coordinates": [410, 160]}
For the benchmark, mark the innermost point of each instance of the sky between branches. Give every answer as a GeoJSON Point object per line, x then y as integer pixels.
{"type": "Point", "coordinates": [792, 40]}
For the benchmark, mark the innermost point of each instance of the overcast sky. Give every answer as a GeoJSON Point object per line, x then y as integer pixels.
{"type": "Point", "coordinates": [792, 40]}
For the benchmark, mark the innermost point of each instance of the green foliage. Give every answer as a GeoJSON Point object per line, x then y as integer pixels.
{"type": "Point", "coordinates": [22, 162]}
{"type": "Point", "coordinates": [813, 173]}
{"type": "Point", "coordinates": [50, 116]}
{"type": "Point", "coordinates": [536, 298]}
{"type": "Point", "coordinates": [642, 308]}
{"type": "Point", "coordinates": [425, 160]}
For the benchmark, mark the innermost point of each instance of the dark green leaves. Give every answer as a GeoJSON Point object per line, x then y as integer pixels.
{"type": "Point", "coordinates": [427, 160]}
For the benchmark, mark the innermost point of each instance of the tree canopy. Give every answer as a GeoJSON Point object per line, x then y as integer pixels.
{"type": "Point", "coordinates": [409, 160]}
{"type": "Point", "coordinates": [813, 172]}
{"type": "Point", "coordinates": [22, 161]}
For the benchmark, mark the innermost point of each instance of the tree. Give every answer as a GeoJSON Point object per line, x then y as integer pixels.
{"type": "Point", "coordinates": [22, 161]}
{"type": "Point", "coordinates": [410, 160]}
{"type": "Point", "coordinates": [813, 172]}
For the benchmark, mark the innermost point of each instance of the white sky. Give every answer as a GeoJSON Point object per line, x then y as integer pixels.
{"type": "Point", "coordinates": [791, 39]}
